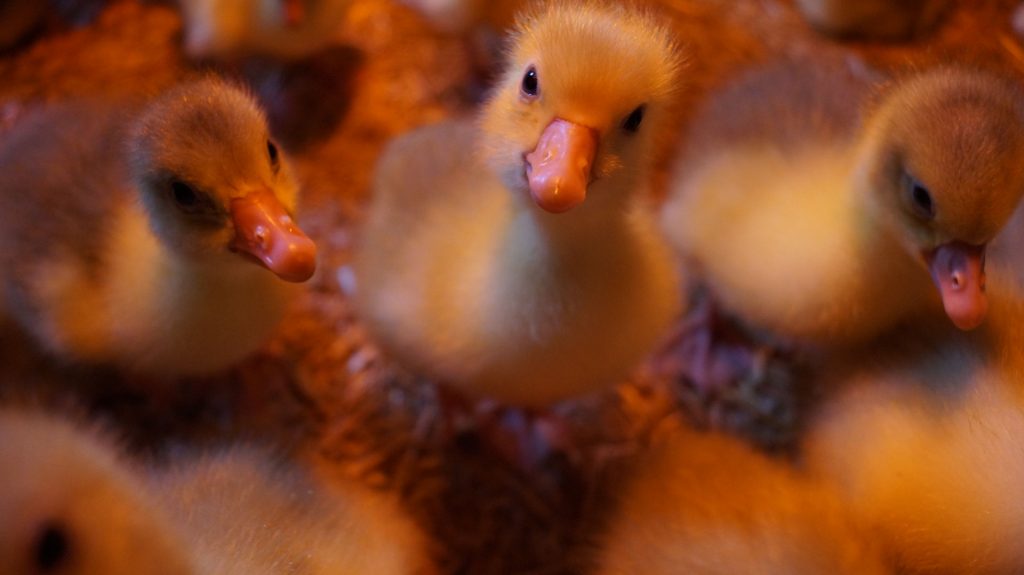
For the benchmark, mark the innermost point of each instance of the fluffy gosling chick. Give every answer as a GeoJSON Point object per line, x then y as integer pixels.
{"type": "Point", "coordinates": [816, 226]}
{"type": "Point", "coordinates": [512, 257]}
{"type": "Point", "coordinates": [70, 505]}
{"type": "Point", "coordinates": [245, 514]}
{"type": "Point", "coordinates": [926, 447]}
{"type": "Point", "coordinates": [708, 504]}
{"type": "Point", "coordinates": [132, 237]}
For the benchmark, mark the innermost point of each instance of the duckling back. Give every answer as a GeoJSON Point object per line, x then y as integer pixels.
{"type": "Point", "coordinates": [707, 504]}
{"type": "Point", "coordinates": [246, 512]}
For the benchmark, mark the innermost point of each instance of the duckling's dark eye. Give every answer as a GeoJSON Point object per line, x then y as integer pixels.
{"type": "Point", "coordinates": [275, 161]}
{"type": "Point", "coordinates": [52, 547]}
{"type": "Point", "coordinates": [921, 198]}
{"type": "Point", "coordinates": [184, 195]}
{"type": "Point", "coordinates": [632, 122]}
{"type": "Point", "coordinates": [530, 85]}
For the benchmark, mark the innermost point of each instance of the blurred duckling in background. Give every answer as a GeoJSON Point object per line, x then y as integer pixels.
{"type": "Point", "coordinates": [155, 240]}
{"type": "Point", "coordinates": [70, 505]}
{"type": "Point", "coordinates": [244, 513]}
{"type": "Point", "coordinates": [707, 504]}
{"type": "Point", "coordinates": [821, 228]}
{"type": "Point", "coordinates": [281, 29]}
{"type": "Point", "coordinates": [890, 20]}
{"type": "Point", "coordinates": [926, 443]}
{"type": "Point", "coordinates": [513, 258]}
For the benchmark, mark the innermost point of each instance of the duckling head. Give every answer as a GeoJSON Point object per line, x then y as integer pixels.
{"type": "Point", "coordinates": [215, 185]}
{"type": "Point", "coordinates": [71, 506]}
{"type": "Point", "coordinates": [584, 87]}
{"type": "Point", "coordinates": [944, 161]}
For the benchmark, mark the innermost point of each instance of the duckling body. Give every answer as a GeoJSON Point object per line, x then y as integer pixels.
{"type": "Point", "coordinates": [465, 278]}
{"type": "Point", "coordinates": [283, 29]}
{"type": "Point", "coordinates": [925, 448]}
{"type": "Point", "coordinates": [71, 505]}
{"type": "Point", "coordinates": [707, 504]}
{"type": "Point", "coordinates": [245, 514]}
{"type": "Point", "coordinates": [139, 250]}
{"type": "Point", "coordinates": [824, 241]}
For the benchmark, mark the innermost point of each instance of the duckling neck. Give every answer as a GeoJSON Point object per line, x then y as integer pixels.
{"type": "Point", "coordinates": [604, 215]}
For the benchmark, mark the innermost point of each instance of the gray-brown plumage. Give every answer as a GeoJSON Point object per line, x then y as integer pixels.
{"type": "Point", "coordinates": [129, 232]}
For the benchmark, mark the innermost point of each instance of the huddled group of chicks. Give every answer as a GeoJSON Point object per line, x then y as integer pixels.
{"type": "Point", "coordinates": [518, 256]}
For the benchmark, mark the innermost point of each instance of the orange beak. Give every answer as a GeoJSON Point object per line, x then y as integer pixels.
{"type": "Point", "coordinates": [265, 230]}
{"type": "Point", "coordinates": [958, 270]}
{"type": "Point", "coordinates": [559, 168]}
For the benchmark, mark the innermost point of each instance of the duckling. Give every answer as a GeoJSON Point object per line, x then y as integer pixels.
{"type": "Point", "coordinates": [925, 448]}
{"type": "Point", "coordinates": [282, 29]}
{"type": "Point", "coordinates": [245, 512]}
{"type": "Point", "coordinates": [512, 257]}
{"type": "Point", "coordinates": [822, 228]}
{"type": "Point", "coordinates": [71, 505]}
{"type": "Point", "coordinates": [142, 237]}
{"type": "Point", "coordinates": [705, 503]}
{"type": "Point", "coordinates": [873, 19]}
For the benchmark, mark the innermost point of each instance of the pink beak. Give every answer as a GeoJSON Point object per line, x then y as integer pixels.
{"type": "Point", "coordinates": [958, 270]}
{"type": "Point", "coordinates": [559, 168]}
{"type": "Point", "coordinates": [264, 230]}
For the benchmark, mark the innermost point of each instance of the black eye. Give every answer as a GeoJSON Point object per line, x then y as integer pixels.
{"type": "Point", "coordinates": [184, 195]}
{"type": "Point", "coordinates": [922, 199]}
{"type": "Point", "coordinates": [530, 85]}
{"type": "Point", "coordinates": [52, 547]}
{"type": "Point", "coordinates": [632, 122]}
{"type": "Point", "coordinates": [275, 161]}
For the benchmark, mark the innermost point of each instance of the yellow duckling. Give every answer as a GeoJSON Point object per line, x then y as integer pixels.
{"type": "Point", "coordinates": [70, 505]}
{"type": "Point", "coordinates": [283, 29]}
{"type": "Point", "coordinates": [926, 446]}
{"type": "Point", "coordinates": [873, 19]}
{"type": "Point", "coordinates": [707, 504]}
{"type": "Point", "coordinates": [131, 237]}
{"type": "Point", "coordinates": [244, 513]}
{"type": "Point", "coordinates": [818, 227]}
{"type": "Point", "coordinates": [513, 257]}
